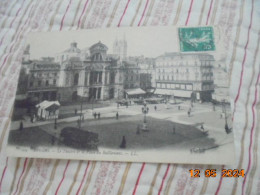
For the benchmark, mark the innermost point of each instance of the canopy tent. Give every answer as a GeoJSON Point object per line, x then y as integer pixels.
{"type": "Point", "coordinates": [173, 92]}
{"type": "Point", "coordinates": [48, 109]}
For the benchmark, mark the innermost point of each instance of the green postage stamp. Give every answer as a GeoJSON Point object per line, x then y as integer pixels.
{"type": "Point", "coordinates": [196, 39]}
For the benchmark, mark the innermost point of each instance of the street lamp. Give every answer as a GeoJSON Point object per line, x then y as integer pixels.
{"type": "Point", "coordinates": [145, 111]}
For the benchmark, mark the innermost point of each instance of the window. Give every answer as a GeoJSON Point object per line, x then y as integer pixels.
{"type": "Point", "coordinates": [97, 57]}
{"type": "Point", "coordinates": [31, 84]}
{"type": "Point", "coordinates": [47, 83]}
{"type": "Point", "coordinates": [54, 82]}
{"type": "Point", "coordinates": [39, 83]}
{"type": "Point", "coordinates": [76, 79]}
{"type": "Point", "coordinates": [163, 85]}
{"type": "Point", "coordinates": [189, 87]}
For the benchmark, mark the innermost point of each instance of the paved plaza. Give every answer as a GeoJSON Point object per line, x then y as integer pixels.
{"type": "Point", "coordinates": [161, 122]}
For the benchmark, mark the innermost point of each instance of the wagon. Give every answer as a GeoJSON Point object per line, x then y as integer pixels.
{"type": "Point", "coordinates": [79, 139]}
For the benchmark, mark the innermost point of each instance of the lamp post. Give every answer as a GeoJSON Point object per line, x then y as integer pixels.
{"type": "Point", "coordinates": [145, 111]}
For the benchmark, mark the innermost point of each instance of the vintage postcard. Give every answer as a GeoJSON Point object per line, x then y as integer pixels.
{"type": "Point", "coordinates": [146, 94]}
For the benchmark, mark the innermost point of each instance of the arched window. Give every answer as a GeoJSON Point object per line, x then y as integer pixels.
{"type": "Point", "coordinates": [97, 57]}
{"type": "Point", "coordinates": [76, 79]}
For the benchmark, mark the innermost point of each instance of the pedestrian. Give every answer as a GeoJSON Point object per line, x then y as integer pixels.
{"type": "Point", "coordinates": [123, 143]}
{"type": "Point", "coordinates": [173, 129]}
{"type": "Point", "coordinates": [95, 115]}
{"type": "Point", "coordinates": [179, 107]}
{"type": "Point", "coordinates": [21, 125]}
{"type": "Point", "coordinates": [188, 113]}
{"type": "Point", "coordinates": [228, 130]}
{"type": "Point", "coordinates": [155, 107]}
{"type": "Point", "coordinates": [202, 127]}
{"type": "Point", "coordinates": [117, 115]}
{"type": "Point", "coordinates": [31, 119]}
{"type": "Point", "coordinates": [76, 111]}
{"type": "Point", "coordinates": [99, 115]}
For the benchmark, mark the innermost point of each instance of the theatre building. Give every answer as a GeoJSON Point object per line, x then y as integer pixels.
{"type": "Point", "coordinates": [185, 75]}
{"type": "Point", "coordinates": [75, 75]}
{"type": "Point", "coordinates": [98, 77]}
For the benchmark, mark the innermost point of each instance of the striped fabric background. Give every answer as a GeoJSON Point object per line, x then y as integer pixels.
{"type": "Point", "coordinates": [239, 18]}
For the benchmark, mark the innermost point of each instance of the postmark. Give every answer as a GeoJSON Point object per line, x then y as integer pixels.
{"type": "Point", "coordinates": [196, 39]}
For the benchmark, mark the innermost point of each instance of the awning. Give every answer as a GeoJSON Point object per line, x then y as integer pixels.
{"type": "Point", "coordinates": [46, 104]}
{"type": "Point", "coordinates": [177, 93]}
{"type": "Point", "coordinates": [137, 91]}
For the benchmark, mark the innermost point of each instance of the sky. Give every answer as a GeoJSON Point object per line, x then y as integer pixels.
{"type": "Point", "coordinates": [147, 41]}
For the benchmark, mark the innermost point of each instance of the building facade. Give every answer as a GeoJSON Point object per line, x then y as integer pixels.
{"type": "Point", "coordinates": [184, 75]}
{"type": "Point", "coordinates": [42, 79]}
{"type": "Point", "coordinates": [131, 74]}
{"type": "Point", "coordinates": [97, 77]}
{"type": "Point", "coordinates": [70, 77]}
{"type": "Point", "coordinates": [147, 73]}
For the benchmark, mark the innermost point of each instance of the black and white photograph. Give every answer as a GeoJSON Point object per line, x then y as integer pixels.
{"type": "Point", "coordinates": [124, 94]}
